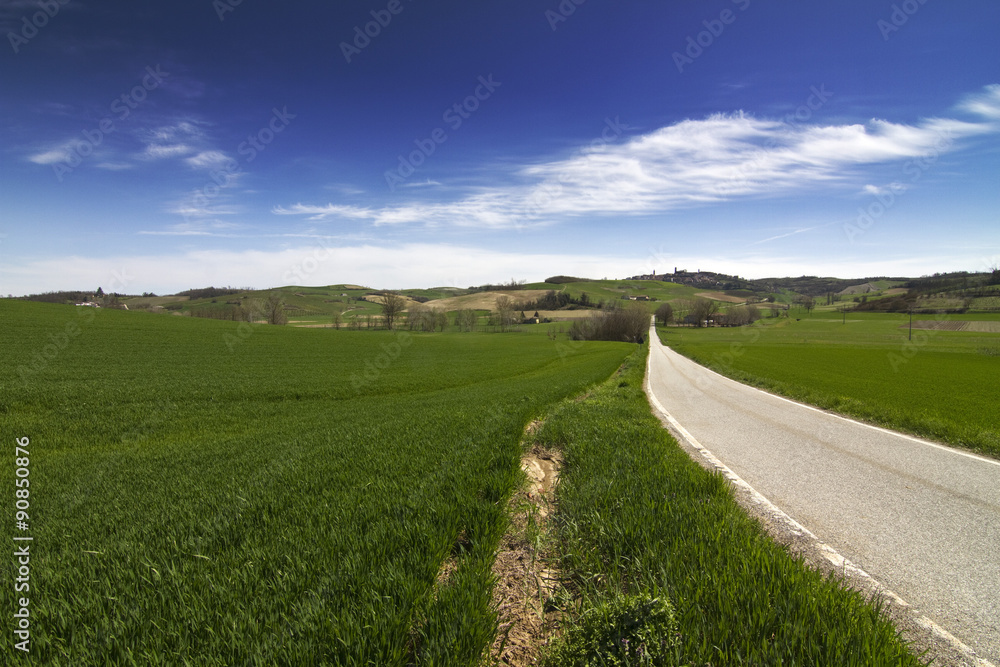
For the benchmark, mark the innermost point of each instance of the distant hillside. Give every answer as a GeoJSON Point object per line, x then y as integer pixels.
{"type": "Point", "coordinates": [959, 291]}
{"type": "Point", "coordinates": [815, 286]}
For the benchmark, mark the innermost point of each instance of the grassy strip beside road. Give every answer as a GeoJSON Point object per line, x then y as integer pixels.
{"type": "Point", "coordinates": [941, 385]}
{"type": "Point", "coordinates": [640, 523]}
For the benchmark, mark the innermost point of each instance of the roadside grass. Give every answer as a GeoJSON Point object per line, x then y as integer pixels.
{"type": "Point", "coordinates": [208, 493]}
{"type": "Point", "coordinates": [941, 385]}
{"type": "Point", "coordinates": [640, 524]}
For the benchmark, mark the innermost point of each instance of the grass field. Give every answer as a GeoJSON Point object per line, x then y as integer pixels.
{"type": "Point", "coordinates": [941, 385]}
{"type": "Point", "coordinates": [614, 289]}
{"type": "Point", "coordinates": [213, 494]}
{"type": "Point", "coordinates": [643, 528]}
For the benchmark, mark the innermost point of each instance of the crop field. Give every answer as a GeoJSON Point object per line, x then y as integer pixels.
{"type": "Point", "coordinates": [941, 384]}
{"type": "Point", "coordinates": [211, 494]}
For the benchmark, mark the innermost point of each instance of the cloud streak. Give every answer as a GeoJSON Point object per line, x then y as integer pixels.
{"type": "Point", "coordinates": [690, 163]}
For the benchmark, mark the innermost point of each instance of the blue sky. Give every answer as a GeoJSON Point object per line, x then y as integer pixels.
{"type": "Point", "coordinates": [409, 143]}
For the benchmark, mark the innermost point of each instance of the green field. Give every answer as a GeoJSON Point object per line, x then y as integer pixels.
{"type": "Point", "coordinates": [612, 290]}
{"type": "Point", "coordinates": [213, 494]}
{"type": "Point", "coordinates": [941, 385]}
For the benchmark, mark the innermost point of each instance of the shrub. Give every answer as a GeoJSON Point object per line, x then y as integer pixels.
{"type": "Point", "coordinates": [628, 325]}
{"type": "Point", "coordinates": [626, 630]}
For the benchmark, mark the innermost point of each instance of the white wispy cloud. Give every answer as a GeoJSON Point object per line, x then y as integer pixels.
{"type": "Point", "coordinates": [894, 188]}
{"type": "Point", "coordinates": [192, 208]}
{"type": "Point", "coordinates": [114, 166]}
{"type": "Point", "coordinates": [198, 228]}
{"type": "Point", "coordinates": [211, 159]}
{"type": "Point", "coordinates": [180, 138]}
{"type": "Point", "coordinates": [689, 163]}
{"type": "Point", "coordinates": [985, 103]}
{"type": "Point", "coordinates": [61, 153]}
{"type": "Point", "coordinates": [164, 151]}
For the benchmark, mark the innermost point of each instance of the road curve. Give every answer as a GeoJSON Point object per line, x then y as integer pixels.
{"type": "Point", "coordinates": [922, 519]}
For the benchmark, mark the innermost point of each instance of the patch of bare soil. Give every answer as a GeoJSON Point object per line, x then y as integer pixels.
{"type": "Point", "coordinates": [721, 296]}
{"type": "Point", "coordinates": [525, 565]}
{"type": "Point", "coordinates": [484, 300]}
{"type": "Point", "coordinates": [933, 325]}
{"type": "Point", "coordinates": [982, 327]}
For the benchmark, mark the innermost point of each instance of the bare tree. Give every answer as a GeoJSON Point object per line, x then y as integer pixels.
{"type": "Point", "coordinates": [392, 305]}
{"type": "Point", "coordinates": [274, 310]}
{"type": "Point", "coordinates": [682, 308]}
{"type": "Point", "coordinates": [251, 310]}
{"type": "Point", "coordinates": [703, 309]}
{"type": "Point", "coordinates": [336, 319]}
{"type": "Point", "coordinates": [628, 325]}
{"type": "Point", "coordinates": [665, 314]}
{"type": "Point", "coordinates": [466, 319]}
{"type": "Point", "coordinates": [420, 318]}
{"type": "Point", "coordinates": [739, 316]}
{"type": "Point", "coordinates": [504, 307]}
{"type": "Point", "coordinates": [809, 303]}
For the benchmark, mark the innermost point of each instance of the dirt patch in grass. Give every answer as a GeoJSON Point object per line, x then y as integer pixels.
{"type": "Point", "coordinates": [983, 327]}
{"type": "Point", "coordinates": [563, 315]}
{"type": "Point", "coordinates": [955, 325]}
{"type": "Point", "coordinates": [720, 296]}
{"type": "Point", "coordinates": [484, 300]}
{"type": "Point", "coordinates": [933, 325]}
{"type": "Point", "coordinates": [525, 565]}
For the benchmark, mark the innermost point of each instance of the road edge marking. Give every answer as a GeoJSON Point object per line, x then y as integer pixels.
{"type": "Point", "coordinates": [831, 554]}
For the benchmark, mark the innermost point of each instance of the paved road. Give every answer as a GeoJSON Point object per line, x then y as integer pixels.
{"type": "Point", "coordinates": [923, 520]}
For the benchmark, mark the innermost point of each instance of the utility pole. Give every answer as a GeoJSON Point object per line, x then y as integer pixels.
{"type": "Point", "coordinates": [911, 324]}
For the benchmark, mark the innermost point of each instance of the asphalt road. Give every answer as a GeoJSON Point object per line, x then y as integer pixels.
{"type": "Point", "coordinates": [923, 520]}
